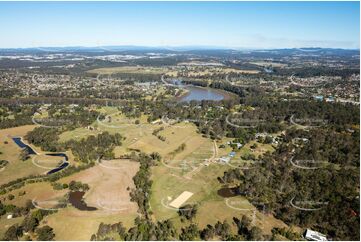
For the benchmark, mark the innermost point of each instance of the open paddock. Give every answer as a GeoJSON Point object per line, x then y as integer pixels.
{"type": "Point", "coordinates": [16, 168]}
{"type": "Point", "coordinates": [129, 70]}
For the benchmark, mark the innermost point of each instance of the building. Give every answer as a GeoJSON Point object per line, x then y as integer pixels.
{"type": "Point", "coordinates": [158, 121]}
{"type": "Point", "coordinates": [314, 235]}
{"type": "Point", "coordinates": [330, 99]}
{"type": "Point", "coordinates": [225, 159]}
{"type": "Point", "coordinates": [318, 98]}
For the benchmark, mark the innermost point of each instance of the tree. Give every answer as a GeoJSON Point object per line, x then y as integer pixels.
{"type": "Point", "coordinates": [268, 140]}
{"type": "Point", "coordinates": [14, 232]}
{"type": "Point", "coordinates": [246, 221]}
{"type": "Point", "coordinates": [24, 154]}
{"type": "Point", "coordinates": [207, 233]}
{"type": "Point", "coordinates": [223, 230]}
{"type": "Point", "coordinates": [255, 234]}
{"type": "Point", "coordinates": [188, 211]}
{"type": "Point", "coordinates": [189, 233]}
{"type": "Point", "coordinates": [45, 233]}
{"type": "Point", "coordinates": [30, 223]}
{"type": "Point", "coordinates": [29, 204]}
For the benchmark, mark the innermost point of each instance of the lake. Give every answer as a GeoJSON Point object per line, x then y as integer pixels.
{"type": "Point", "coordinates": [201, 93]}
{"type": "Point", "coordinates": [196, 93]}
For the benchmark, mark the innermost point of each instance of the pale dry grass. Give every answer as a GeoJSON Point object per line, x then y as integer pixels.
{"type": "Point", "coordinates": [129, 69]}
{"type": "Point", "coordinates": [16, 168]}
{"type": "Point", "coordinates": [109, 183]}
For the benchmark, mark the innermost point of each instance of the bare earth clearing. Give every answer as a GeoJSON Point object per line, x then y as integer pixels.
{"type": "Point", "coordinates": [108, 192]}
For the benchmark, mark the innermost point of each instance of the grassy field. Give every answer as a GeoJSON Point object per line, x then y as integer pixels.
{"type": "Point", "coordinates": [169, 183]}
{"type": "Point", "coordinates": [10, 152]}
{"type": "Point", "coordinates": [193, 168]}
{"type": "Point", "coordinates": [200, 178]}
{"type": "Point", "coordinates": [130, 70]}
{"type": "Point", "coordinates": [109, 183]}
{"type": "Point", "coordinates": [40, 192]}
{"type": "Point", "coordinates": [6, 223]}
{"type": "Point", "coordinates": [192, 70]}
{"type": "Point", "coordinates": [108, 193]}
{"type": "Point", "coordinates": [140, 137]}
{"type": "Point", "coordinates": [188, 170]}
{"type": "Point", "coordinates": [35, 165]}
{"type": "Point", "coordinates": [73, 224]}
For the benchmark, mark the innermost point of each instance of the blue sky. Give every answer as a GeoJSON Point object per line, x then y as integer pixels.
{"type": "Point", "coordinates": [224, 24]}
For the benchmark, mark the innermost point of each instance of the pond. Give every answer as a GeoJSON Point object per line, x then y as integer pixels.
{"type": "Point", "coordinates": [59, 168]}
{"type": "Point", "coordinates": [76, 199]}
{"type": "Point", "coordinates": [62, 166]}
{"type": "Point", "coordinates": [227, 192]}
{"type": "Point", "coordinates": [22, 145]}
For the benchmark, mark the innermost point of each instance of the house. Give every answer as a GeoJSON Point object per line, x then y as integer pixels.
{"type": "Point", "coordinates": [318, 98]}
{"type": "Point", "coordinates": [158, 121]}
{"type": "Point", "coordinates": [260, 135]}
{"type": "Point", "coordinates": [239, 145]}
{"type": "Point", "coordinates": [224, 160]}
{"type": "Point", "coordinates": [314, 235]}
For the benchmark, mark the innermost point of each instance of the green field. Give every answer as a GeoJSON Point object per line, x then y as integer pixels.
{"type": "Point", "coordinates": [204, 185]}
{"type": "Point", "coordinates": [193, 168]}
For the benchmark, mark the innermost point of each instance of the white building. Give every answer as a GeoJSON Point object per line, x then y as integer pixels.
{"type": "Point", "coordinates": [314, 236]}
{"type": "Point", "coordinates": [225, 159]}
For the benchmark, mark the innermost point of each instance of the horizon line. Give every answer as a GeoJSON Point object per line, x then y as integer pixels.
{"type": "Point", "coordinates": [205, 47]}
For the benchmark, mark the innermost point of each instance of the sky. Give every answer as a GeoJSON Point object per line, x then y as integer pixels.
{"type": "Point", "coordinates": [216, 24]}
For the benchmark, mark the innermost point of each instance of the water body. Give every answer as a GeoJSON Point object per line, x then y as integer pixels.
{"type": "Point", "coordinates": [59, 154]}
{"type": "Point", "coordinates": [76, 199]}
{"type": "Point", "coordinates": [22, 145]}
{"type": "Point", "coordinates": [59, 168]}
{"type": "Point", "coordinates": [201, 93]}
{"type": "Point", "coordinates": [227, 192]}
{"type": "Point", "coordinates": [62, 166]}
{"type": "Point", "coordinates": [196, 93]}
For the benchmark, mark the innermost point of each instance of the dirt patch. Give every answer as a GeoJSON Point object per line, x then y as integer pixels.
{"type": "Point", "coordinates": [110, 183]}
{"type": "Point", "coordinates": [108, 194]}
